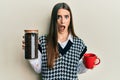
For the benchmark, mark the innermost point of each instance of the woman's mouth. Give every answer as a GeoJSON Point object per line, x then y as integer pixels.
{"type": "Point", "coordinates": [61, 28]}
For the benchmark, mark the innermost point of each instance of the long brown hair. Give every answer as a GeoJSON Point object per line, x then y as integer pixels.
{"type": "Point", "coordinates": [52, 38]}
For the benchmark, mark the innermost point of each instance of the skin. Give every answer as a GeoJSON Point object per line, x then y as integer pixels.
{"type": "Point", "coordinates": [63, 21]}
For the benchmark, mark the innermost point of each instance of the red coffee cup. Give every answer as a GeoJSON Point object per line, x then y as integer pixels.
{"type": "Point", "coordinates": [90, 60]}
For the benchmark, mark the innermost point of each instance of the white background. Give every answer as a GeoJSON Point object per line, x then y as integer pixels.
{"type": "Point", "coordinates": [95, 21]}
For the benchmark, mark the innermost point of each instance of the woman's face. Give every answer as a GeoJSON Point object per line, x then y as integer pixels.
{"type": "Point", "coordinates": [63, 20]}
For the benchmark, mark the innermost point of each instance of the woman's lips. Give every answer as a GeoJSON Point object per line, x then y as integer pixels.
{"type": "Point", "coordinates": [61, 28]}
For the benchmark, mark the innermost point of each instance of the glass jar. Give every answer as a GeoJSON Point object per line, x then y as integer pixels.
{"type": "Point", "coordinates": [31, 44]}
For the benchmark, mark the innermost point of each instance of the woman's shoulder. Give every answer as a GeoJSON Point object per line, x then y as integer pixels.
{"type": "Point", "coordinates": [78, 40]}
{"type": "Point", "coordinates": [43, 38]}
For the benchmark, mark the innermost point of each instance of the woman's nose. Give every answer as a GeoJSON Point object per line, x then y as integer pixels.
{"type": "Point", "coordinates": [63, 20]}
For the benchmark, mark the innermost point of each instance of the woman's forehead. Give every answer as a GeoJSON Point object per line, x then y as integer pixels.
{"type": "Point", "coordinates": [63, 11]}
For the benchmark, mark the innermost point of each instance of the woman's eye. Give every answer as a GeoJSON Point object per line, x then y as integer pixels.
{"type": "Point", "coordinates": [58, 16]}
{"type": "Point", "coordinates": [66, 16]}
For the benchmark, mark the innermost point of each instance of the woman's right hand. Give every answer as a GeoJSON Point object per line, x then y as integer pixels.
{"type": "Point", "coordinates": [23, 43]}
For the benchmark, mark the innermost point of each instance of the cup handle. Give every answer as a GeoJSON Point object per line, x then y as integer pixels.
{"type": "Point", "coordinates": [98, 61]}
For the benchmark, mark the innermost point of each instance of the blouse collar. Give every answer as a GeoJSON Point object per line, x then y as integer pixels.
{"type": "Point", "coordinates": [70, 37]}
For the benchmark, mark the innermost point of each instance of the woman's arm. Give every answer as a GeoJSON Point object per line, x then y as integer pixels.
{"type": "Point", "coordinates": [81, 68]}
{"type": "Point", "coordinates": [36, 63]}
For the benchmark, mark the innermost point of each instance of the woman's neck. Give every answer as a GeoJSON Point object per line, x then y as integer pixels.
{"type": "Point", "coordinates": [62, 37]}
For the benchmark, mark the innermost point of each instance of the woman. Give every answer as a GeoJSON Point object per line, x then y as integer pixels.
{"type": "Point", "coordinates": [61, 51]}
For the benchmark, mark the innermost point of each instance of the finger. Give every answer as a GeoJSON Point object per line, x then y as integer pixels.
{"type": "Point", "coordinates": [23, 46]}
{"type": "Point", "coordinates": [23, 41]}
{"type": "Point", "coordinates": [23, 36]}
